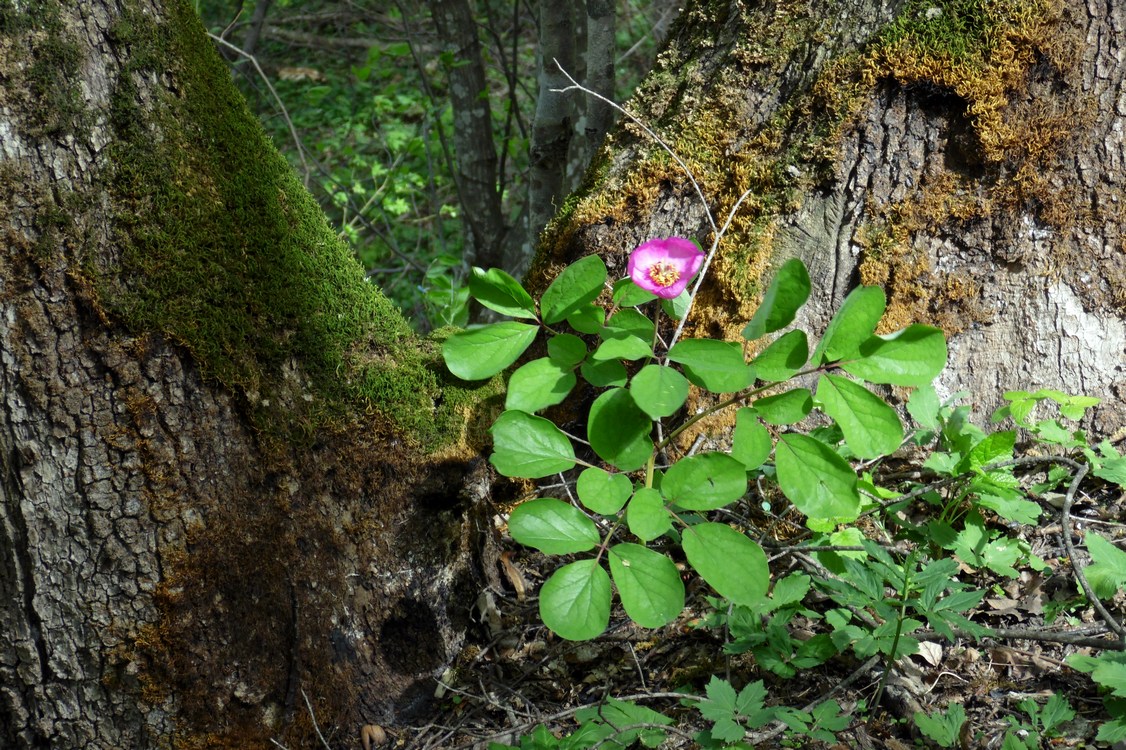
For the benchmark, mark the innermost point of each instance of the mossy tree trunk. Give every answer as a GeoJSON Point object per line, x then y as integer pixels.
{"type": "Point", "coordinates": [967, 155]}
{"type": "Point", "coordinates": [230, 476]}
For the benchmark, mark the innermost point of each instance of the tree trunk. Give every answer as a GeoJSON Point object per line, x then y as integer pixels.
{"type": "Point", "coordinates": [554, 124]}
{"type": "Point", "coordinates": [966, 156]}
{"type": "Point", "coordinates": [230, 476]}
{"type": "Point", "coordinates": [477, 169]}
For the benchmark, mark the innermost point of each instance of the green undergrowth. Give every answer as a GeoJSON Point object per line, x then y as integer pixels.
{"type": "Point", "coordinates": [223, 251]}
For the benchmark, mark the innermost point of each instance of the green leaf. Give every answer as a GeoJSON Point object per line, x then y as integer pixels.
{"type": "Point", "coordinates": [1107, 573]}
{"type": "Point", "coordinates": [575, 601]}
{"type": "Point", "coordinates": [816, 480]}
{"type": "Point", "coordinates": [782, 359]}
{"type": "Point", "coordinates": [498, 291]}
{"type": "Point", "coordinates": [913, 356]}
{"type": "Point", "coordinates": [615, 715]}
{"type": "Point", "coordinates": [529, 447]}
{"type": "Point", "coordinates": [579, 284]}
{"type": "Point", "coordinates": [705, 482]}
{"type": "Point", "coordinates": [628, 322]}
{"type": "Point", "coordinates": [646, 515]}
{"type": "Point", "coordinates": [659, 391]}
{"type": "Point", "coordinates": [784, 297]}
{"type": "Point", "coordinates": [623, 346]}
{"type": "Point", "coordinates": [751, 443]}
{"type": "Point", "coordinates": [602, 491]}
{"type": "Point", "coordinates": [480, 353]}
{"type": "Point", "coordinates": [785, 408]}
{"type": "Point", "coordinates": [619, 431]}
{"type": "Point", "coordinates": [628, 294]}
{"type": "Point", "coordinates": [730, 562]}
{"type": "Point", "coordinates": [1112, 470]}
{"type": "Point", "coordinates": [1111, 674]}
{"type": "Point", "coordinates": [871, 428]}
{"type": "Point", "coordinates": [993, 448]}
{"type": "Point", "coordinates": [587, 319]}
{"type": "Point", "coordinates": [677, 307]}
{"type": "Point", "coordinates": [552, 526]}
{"type": "Point", "coordinates": [566, 350]}
{"type": "Point", "coordinates": [717, 366]}
{"type": "Point", "coordinates": [537, 385]}
{"type": "Point", "coordinates": [852, 325]}
{"type": "Point", "coordinates": [943, 728]}
{"type": "Point", "coordinates": [605, 373]}
{"type": "Point", "coordinates": [923, 406]}
{"type": "Point", "coordinates": [648, 583]}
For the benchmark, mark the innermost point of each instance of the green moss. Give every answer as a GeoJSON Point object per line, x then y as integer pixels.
{"type": "Point", "coordinates": [225, 252]}
{"type": "Point", "coordinates": [42, 69]}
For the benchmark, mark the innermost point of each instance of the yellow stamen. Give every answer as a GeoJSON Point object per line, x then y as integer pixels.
{"type": "Point", "coordinates": [663, 274]}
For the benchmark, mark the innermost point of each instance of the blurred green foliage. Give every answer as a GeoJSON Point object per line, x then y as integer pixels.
{"type": "Point", "coordinates": [354, 95]}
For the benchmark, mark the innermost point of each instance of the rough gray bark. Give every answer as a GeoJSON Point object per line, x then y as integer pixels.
{"type": "Point", "coordinates": [183, 555]}
{"type": "Point", "coordinates": [473, 132]}
{"type": "Point", "coordinates": [986, 200]}
{"type": "Point", "coordinates": [599, 68]}
{"type": "Point", "coordinates": [554, 124]}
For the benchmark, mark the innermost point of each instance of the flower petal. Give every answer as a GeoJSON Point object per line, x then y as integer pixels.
{"type": "Point", "coordinates": [665, 266]}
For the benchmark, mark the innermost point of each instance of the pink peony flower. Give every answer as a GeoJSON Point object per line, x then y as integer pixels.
{"type": "Point", "coordinates": [664, 267]}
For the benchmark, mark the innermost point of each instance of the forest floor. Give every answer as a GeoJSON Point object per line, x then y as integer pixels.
{"type": "Point", "coordinates": [520, 685]}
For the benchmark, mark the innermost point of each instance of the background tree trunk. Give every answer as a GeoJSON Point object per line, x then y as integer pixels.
{"type": "Point", "coordinates": [966, 156]}
{"type": "Point", "coordinates": [477, 166]}
{"type": "Point", "coordinates": [230, 476]}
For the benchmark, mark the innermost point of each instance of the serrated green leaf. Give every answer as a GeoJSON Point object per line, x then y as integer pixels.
{"type": "Point", "coordinates": [731, 563]}
{"type": "Point", "coordinates": [646, 515]}
{"type": "Point", "coordinates": [852, 325]}
{"type": "Point", "coordinates": [705, 481]}
{"type": "Point", "coordinates": [750, 443]}
{"type": "Point", "coordinates": [784, 297]}
{"type": "Point", "coordinates": [816, 480]}
{"type": "Point", "coordinates": [995, 447]}
{"type": "Point", "coordinates": [912, 356]}
{"type": "Point", "coordinates": [552, 526]}
{"type": "Point", "coordinates": [871, 428]}
{"type": "Point", "coordinates": [648, 583]}
{"type": "Point", "coordinates": [614, 715]}
{"type": "Point", "coordinates": [783, 358]}
{"type": "Point", "coordinates": [619, 431]}
{"type": "Point", "coordinates": [1107, 573]}
{"type": "Point", "coordinates": [578, 285]}
{"type": "Point", "coordinates": [575, 601]}
{"type": "Point", "coordinates": [1111, 674]}
{"type": "Point", "coordinates": [529, 447]}
{"type": "Point", "coordinates": [566, 350]}
{"type": "Point", "coordinates": [603, 492]}
{"type": "Point", "coordinates": [537, 385]}
{"type": "Point", "coordinates": [479, 353]}
{"type": "Point", "coordinates": [943, 728]}
{"type": "Point", "coordinates": [717, 366]}
{"type": "Point", "coordinates": [659, 391]}
{"type": "Point", "coordinates": [498, 291]}
{"type": "Point", "coordinates": [609, 372]}
{"type": "Point", "coordinates": [785, 408]}
{"type": "Point", "coordinates": [1112, 470]}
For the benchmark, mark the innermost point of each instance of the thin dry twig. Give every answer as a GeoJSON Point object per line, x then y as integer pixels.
{"type": "Point", "coordinates": [277, 99]}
